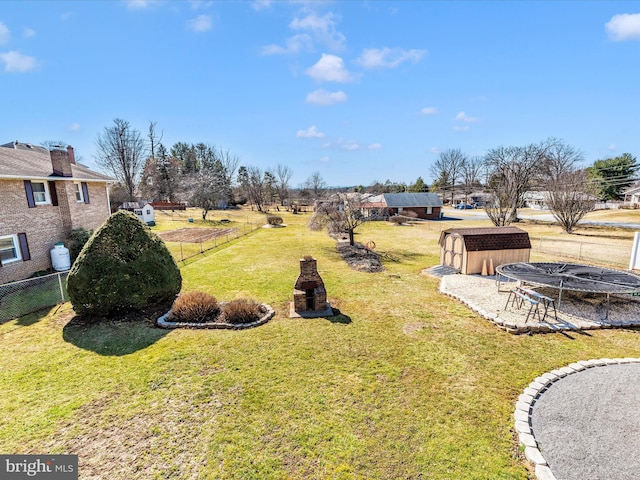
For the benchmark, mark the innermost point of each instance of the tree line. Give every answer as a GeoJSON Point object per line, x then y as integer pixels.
{"type": "Point", "coordinates": [210, 177]}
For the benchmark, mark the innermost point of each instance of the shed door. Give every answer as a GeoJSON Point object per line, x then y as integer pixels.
{"type": "Point", "coordinates": [453, 247]}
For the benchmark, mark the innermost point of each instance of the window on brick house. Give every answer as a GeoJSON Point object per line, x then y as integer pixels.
{"type": "Point", "coordinates": [9, 249]}
{"type": "Point", "coordinates": [40, 193]}
{"type": "Point", "coordinates": [78, 190]}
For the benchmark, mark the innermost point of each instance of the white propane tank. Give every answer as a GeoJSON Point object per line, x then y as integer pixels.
{"type": "Point", "coordinates": [60, 258]}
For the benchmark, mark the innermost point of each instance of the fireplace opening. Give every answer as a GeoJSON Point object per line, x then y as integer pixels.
{"type": "Point", "coordinates": [309, 296]}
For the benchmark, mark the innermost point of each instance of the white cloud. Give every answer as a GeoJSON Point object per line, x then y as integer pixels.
{"type": "Point", "coordinates": [462, 117]}
{"type": "Point", "coordinates": [625, 26]}
{"type": "Point", "coordinates": [323, 29]}
{"type": "Point", "coordinates": [200, 4]}
{"type": "Point", "coordinates": [461, 128]}
{"type": "Point", "coordinates": [612, 147]}
{"type": "Point", "coordinates": [351, 146]}
{"type": "Point", "coordinates": [375, 146]}
{"type": "Point", "coordinates": [28, 33]}
{"type": "Point", "coordinates": [66, 16]}
{"type": "Point", "coordinates": [325, 159]}
{"type": "Point", "coordinates": [429, 111]}
{"type": "Point", "coordinates": [388, 57]}
{"type": "Point", "coordinates": [74, 127]}
{"type": "Point", "coordinates": [294, 44]}
{"type": "Point", "coordinates": [322, 97]}
{"type": "Point", "coordinates": [15, 62]}
{"type": "Point", "coordinates": [434, 150]}
{"type": "Point", "coordinates": [138, 4]}
{"type": "Point", "coordinates": [311, 132]}
{"type": "Point", "coordinates": [201, 23]}
{"type": "Point", "coordinates": [4, 34]}
{"type": "Point", "coordinates": [330, 68]}
{"type": "Point", "coordinates": [261, 4]}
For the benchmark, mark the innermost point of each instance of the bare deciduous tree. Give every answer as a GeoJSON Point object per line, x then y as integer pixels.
{"type": "Point", "coordinates": [512, 171]}
{"type": "Point", "coordinates": [471, 169]}
{"type": "Point", "coordinates": [341, 214]}
{"type": "Point", "coordinates": [121, 152]}
{"type": "Point", "coordinates": [283, 176]}
{"type": "Point", "coordinates": [254, 182]}
{"type": "Point", "coordinates": [316, 185]}
{"type": "Point", "coordinates": [446, 171]}
{"type": "Point", "coordinates": [570, 197]}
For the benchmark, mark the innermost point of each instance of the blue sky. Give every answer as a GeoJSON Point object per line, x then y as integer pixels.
{"type": "Point", "coordinates": [359, 91]}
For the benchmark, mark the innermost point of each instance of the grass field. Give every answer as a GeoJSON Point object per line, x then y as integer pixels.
{"type": "Point", "coordinates": [404, 383]}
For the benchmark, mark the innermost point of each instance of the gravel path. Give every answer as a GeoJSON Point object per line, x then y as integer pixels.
{"type": "Point", "coordinates": [587, 424]}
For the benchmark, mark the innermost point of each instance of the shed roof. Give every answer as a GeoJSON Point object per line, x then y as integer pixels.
{"type": "Point", "coordinates": [490, 238]}
{"type": "Point", "coordinates": [395, 200]}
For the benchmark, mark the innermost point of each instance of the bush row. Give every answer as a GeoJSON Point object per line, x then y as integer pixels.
{"type": "Point", "coordinates": [200, 307]}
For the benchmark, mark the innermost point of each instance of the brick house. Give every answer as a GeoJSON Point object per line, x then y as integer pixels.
{"type": "Point", "coordinates": [43, 196]}
{"type": "Point", "coordinates": [425, 205]}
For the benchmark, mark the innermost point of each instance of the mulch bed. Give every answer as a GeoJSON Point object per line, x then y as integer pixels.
{"type": "Point", "coordinates": [360, 257]}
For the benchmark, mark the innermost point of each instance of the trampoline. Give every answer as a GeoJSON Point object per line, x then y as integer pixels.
{"type": "Point", "coordinates": [572, 277]}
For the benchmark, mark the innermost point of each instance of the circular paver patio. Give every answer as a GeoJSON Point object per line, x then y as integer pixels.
{"type": "Point", "coordinates": [586, 423]}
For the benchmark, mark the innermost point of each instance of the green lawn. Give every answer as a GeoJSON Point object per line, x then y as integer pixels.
{"type": "Point", "coordinates": [404, 383]}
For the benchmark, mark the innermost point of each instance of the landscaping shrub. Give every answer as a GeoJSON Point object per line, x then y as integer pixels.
{"type": "Point", "coordinates": [124, 266]}
{"type": "Point", "coordinates": [274, 220]}
{"type": "Point", "coordinates": [399, 219]}
{"type": "Point", "coordinates": [195, 307]}
{"type": "Point", "coordinates": [76, 239]}
{"type": "Point", "coordinates": [409, 214]}
{"type": "Point", "coordinates": [242, 311]}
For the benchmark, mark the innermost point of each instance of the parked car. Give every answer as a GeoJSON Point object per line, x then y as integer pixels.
{"type": "Point", "coordinates": [465, 206]}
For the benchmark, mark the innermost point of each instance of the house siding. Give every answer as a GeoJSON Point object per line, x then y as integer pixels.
{"type": "Point", "coordinates": [45, 225]}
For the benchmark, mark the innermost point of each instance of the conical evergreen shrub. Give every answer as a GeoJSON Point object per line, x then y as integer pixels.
{"type": "Point", "coordinates": [124, 266]}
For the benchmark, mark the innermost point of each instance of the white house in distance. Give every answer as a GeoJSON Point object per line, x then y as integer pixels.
{"type": "Point", "coordinates": [143, 210]}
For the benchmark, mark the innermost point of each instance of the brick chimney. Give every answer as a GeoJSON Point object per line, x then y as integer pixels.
{"type": "Point", "coordinates": [72, 156]}
{"type": "Point", "coordinates": [61, 162]}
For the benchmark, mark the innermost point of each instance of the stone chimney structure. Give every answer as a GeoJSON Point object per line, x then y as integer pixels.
{"type": "Point", "coordinates": [309, 294]}
{"type": "Point", "coordinates": [61, 162]}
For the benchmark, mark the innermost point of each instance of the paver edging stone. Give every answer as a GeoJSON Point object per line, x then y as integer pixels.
{"type": "Point", "coordinates": [530, 395]}
{"type": "Point", "coordinates": [268, 315]}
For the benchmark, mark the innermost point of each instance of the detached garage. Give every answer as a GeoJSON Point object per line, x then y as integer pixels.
{"type": "Point", "coordinates": [466, 249]}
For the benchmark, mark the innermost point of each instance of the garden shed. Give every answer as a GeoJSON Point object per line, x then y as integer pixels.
{"type": "Point", "coordinates": [467, 249]}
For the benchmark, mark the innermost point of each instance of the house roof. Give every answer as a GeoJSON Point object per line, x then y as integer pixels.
{"type": "Point", "coordinates": [490, 238]}
{"type": "Point", "coordinates": [133, 205]}
{"type": "Point", "coordinates": [32, 162]}
{"type": "Point", "coordinates": [395, 200]}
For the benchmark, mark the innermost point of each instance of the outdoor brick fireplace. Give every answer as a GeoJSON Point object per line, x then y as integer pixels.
{"type": "Point", "coordinates": [309, 294]}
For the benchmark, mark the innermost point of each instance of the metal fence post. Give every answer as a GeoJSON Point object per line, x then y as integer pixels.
{"type": "Point", "coordinates": [61, 288]}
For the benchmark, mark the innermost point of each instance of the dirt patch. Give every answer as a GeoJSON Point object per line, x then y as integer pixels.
{"type": "Point", "coordinates": [195, 235]}
{"type": "Point", "coordinates": [360, 257]}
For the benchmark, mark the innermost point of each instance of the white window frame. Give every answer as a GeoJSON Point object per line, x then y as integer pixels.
{"type": "Point", "coordinates": [47, 197]}
{"type": "Point", "coordinates": [16, 248]}
{"type": "Point", "coordinates": [78, 192]}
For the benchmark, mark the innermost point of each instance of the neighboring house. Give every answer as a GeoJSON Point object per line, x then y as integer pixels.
{"type": "Point", "coordinates": [632, 196]}
{"type": "Point", "coordinates": [143, 210]}
{"type": "Point", "coordinates": [536, 199]}
{"type": "Point", "coordinates": [43, 196]}
{"type": "Point", "coordinates": [425, 205]}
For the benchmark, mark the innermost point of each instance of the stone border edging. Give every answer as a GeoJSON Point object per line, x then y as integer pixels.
{"type": "Point", "coordinates": [527, 398]}
{"type": "Point", "coordinates": [270, 313]}
{"type": "Point", "coordinates": [512, 327]}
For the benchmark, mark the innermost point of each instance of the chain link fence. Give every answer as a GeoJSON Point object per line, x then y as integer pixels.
{"type": "Point", "coordinates": [184, 250]}
{"type": "Point", "coordinates": [28, 296]}
{"type": "Point", "coordinates": [609, 254]}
